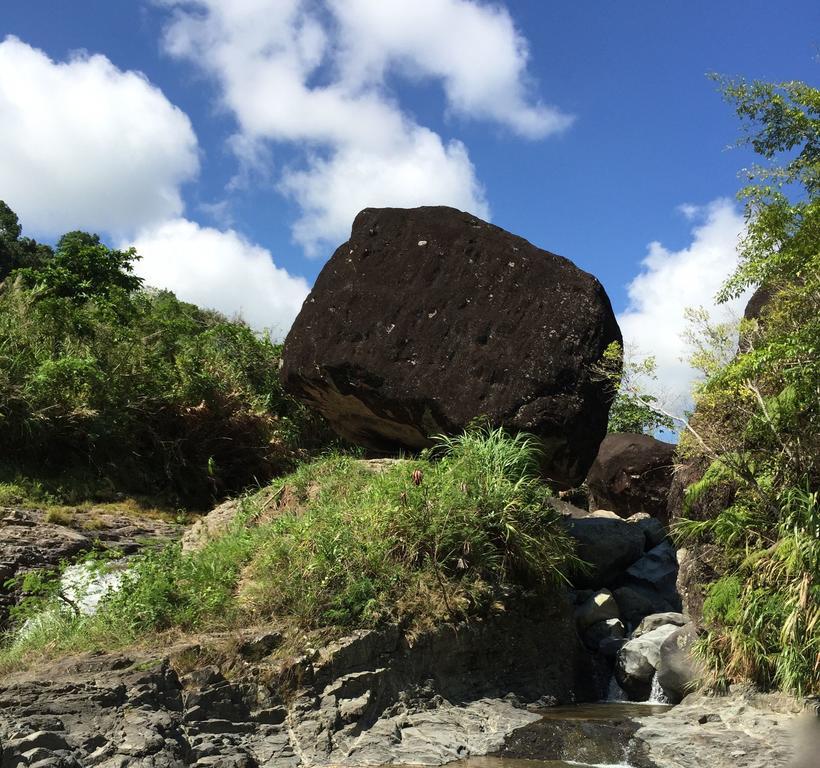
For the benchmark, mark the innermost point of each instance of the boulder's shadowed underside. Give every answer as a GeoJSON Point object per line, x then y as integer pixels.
{"type": "Point", "coordinates": [428, 318]}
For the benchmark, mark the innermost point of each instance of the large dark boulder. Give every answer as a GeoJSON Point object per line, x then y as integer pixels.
{"type": "Point", "coordinates": [636, 602]}
{"type": "Point", "coordinates": [428, 318]}
{"type": "Point", "coordinates": [756, 308]}
{"type": "Point", "coordinates": [608, 546]}
{"type": "Point", "coordinates": [758, 302]}
{"type": "Point", "coordinates": [631, 473]}
{"type": "Point", "coordinates": [657, 569]}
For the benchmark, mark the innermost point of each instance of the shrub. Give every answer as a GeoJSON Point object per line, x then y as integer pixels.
{"type": "Point", "coordinates": [757, 422]}
{"type": "Point", "coordinates": [468, 517]}
{"type": "Point", "coordinates": [106, 384]}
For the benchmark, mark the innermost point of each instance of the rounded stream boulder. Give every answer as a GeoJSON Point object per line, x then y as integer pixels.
{"type": "Point", "coordinates": [429, 318]}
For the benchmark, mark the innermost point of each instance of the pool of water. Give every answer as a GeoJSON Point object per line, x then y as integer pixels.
{"type": "Point", "coordinates": [595, 734]}
{"type": "Point", "coordinates": [604, 710]}
{"type": "Point", "coordinates": [509, 762]}
{"type": "Point", "coordinates": [581, 735]}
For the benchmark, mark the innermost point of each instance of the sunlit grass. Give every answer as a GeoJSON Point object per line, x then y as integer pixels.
{"type": "Point", "coordinates": [340, 544]}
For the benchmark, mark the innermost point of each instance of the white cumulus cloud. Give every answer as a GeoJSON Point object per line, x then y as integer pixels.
{"type": "Point", "coordinates": [313, 73]}
{"type": "Point", "coordinates": [671, 281]}
{"type": "Point", "coordinates": [330, 192]}
{"type": "Point", "coordinates": [220, 270]}
{"type": "Point", "coordinates": [473, 48]}
{"type": "Point", "coordinates": [88, 146]}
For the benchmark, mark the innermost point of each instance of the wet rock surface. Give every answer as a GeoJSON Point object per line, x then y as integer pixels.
{"type": "Point", "coordinates": [741, 730]}
{"type": "Point", "coordinates": [638, 661]}
{"type": "Point", "coordinates": [591, 741]}
{"type": "Point", "coordinates": [370, 698]}
{"type": "Point", "coordinates": [678, 668]}
{"type": "Point", "coordinates": [472, 321]}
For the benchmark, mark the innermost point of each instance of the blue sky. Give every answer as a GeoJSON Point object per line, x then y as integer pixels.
{"type": "Point", "coordinates": [256, 125]}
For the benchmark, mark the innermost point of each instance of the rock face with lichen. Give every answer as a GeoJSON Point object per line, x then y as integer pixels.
{"type": "Point", "coordinates": [429, 318]}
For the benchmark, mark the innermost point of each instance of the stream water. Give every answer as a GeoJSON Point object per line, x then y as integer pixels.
{"type": "Point", "coordinates": [511, 762]}
{"type": "Point", "coordinates": [82, 586]}
{"type": "Point", "coordinates": [604, 710]}
{"type": "Point", "coordinates": [593, 735]}
{"type": "Point", "coordinates": [583, 735]}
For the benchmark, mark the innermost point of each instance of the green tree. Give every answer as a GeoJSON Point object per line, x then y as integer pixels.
{"type": "Point", "coordinates": [17, 251]}
{"type": "Point", "coordinates": [82, 268]}
{"type": "Point", "coordinates": [757, 420]}
{"type": "Point", "coordinates": [781, 123]}
{"type": "Point", "coordinates": [106, 384]}
{"type": "Point", "coordinates": [634, 408]}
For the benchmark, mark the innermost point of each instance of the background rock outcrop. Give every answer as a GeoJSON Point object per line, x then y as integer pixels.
{"type": "Point", "coordinates": [608, 546]}
{"type": "Point", "coordinates": [428, 318]}
{"type": "Point", "coordinates": [631, 474]}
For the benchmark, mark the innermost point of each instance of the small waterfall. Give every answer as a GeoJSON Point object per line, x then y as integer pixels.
{"type": "Point", "coordinates": [656, 695]}
{"type": "Point", "coordinates": [83, 587]}
{"type": "Point", "coordinates": [615, 693]}
{"type": "Point", "coordinates": [86, 586]}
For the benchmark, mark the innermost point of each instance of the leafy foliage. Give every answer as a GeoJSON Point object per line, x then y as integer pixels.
{"type": "Point", "coordinates": [132, 389]}
{"type": "Point", "coordinates": [765, 613]}
{"type": "Point", "coordinates": [781, 122]}
{"type": "Point", "coordinates": [634, 409]}
{"type": "Point", "coordinates": [82, 268]}
{"type": "Point", "coordinates": [17, 251]}
{"type": "Point", "coordinates": [757, 419]}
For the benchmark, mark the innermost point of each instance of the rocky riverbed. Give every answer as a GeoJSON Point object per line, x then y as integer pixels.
{"type": "Point", "coordinates": [504, 687]}
{"type": "Point", "coordinates": [744, 729]}
{"type": "Point", "coordinates": [508, 685]}
{"type": "Point", "coordinates": [373, 697]}
{"type": "Point", "coordinates": [509, 690]}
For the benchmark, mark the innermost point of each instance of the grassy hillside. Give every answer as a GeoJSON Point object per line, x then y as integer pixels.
{"type": "Point", "coordinates": [339, 543]}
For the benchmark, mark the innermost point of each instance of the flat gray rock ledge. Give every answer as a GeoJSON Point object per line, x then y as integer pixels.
{"type": "Point", "coordinates": [743, 729]}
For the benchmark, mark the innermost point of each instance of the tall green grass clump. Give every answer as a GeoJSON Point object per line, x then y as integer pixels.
{"type": "Point", "coordinates": [348, 543]}
{"type": "Point", "coordinates": [764, 612]}
{"type": "Point", "coordinates": [449, 528]}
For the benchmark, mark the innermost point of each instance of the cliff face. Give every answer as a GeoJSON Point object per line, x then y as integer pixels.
{"type": "Point", "coordinates": [371, 698]}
